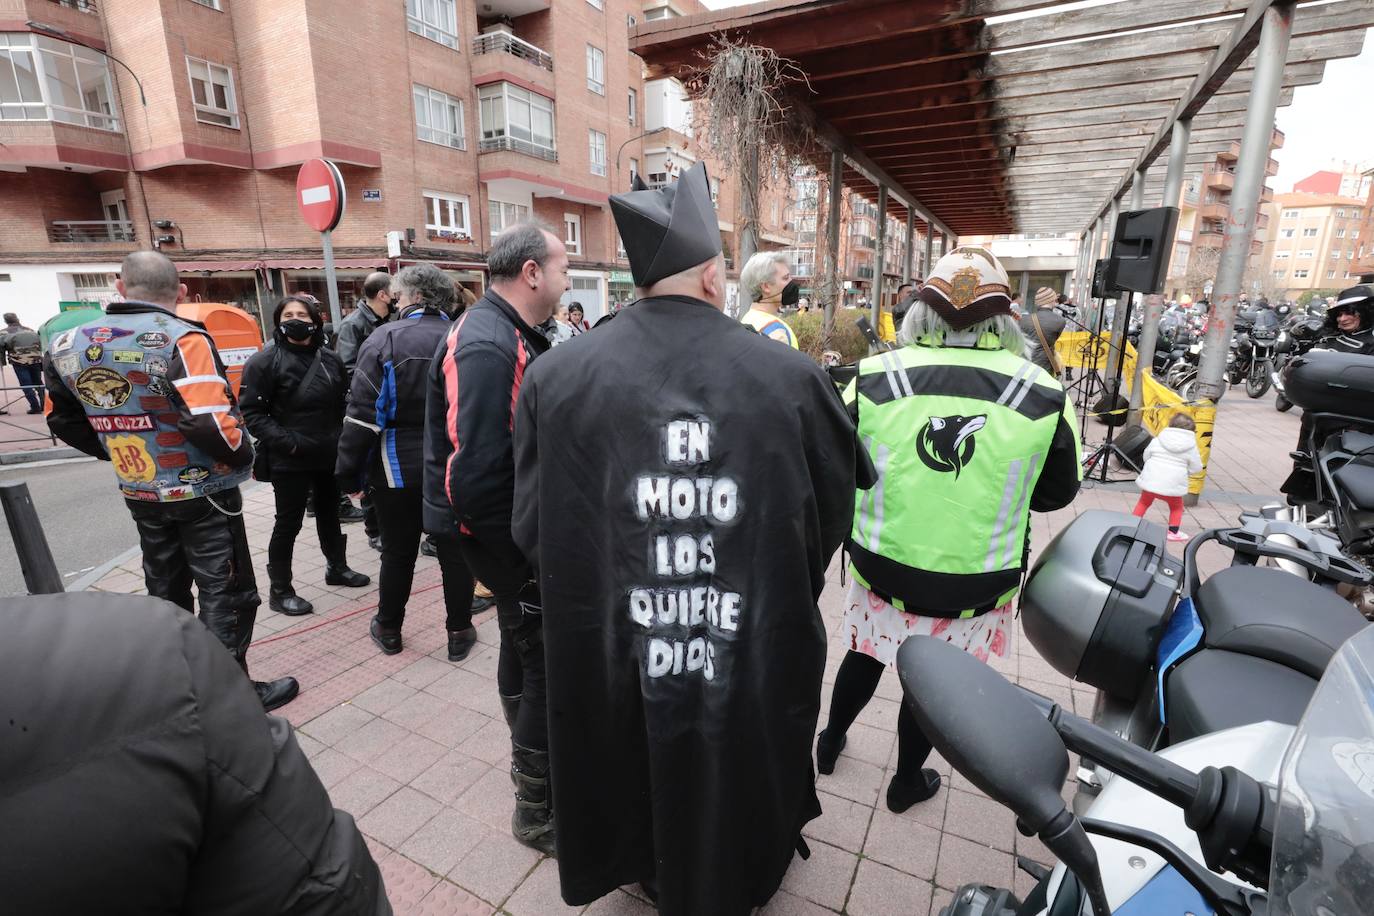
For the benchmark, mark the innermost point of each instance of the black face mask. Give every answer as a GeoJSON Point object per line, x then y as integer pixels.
{"type": "Point", "coordinates": [791, 293]}
{"type": "Point", "coordinates": [391, 305]}
{"type": "Point", "coordinates": [297, 329]}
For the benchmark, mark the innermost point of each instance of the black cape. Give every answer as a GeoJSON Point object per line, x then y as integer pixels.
{"type": "Point", "coordinates": [681, 484]}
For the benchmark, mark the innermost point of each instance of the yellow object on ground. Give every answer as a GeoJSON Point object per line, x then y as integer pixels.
{"type": "Point", "coordinates": [887, 328]}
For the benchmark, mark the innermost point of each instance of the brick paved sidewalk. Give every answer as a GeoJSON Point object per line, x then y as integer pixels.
{"type": "Point", "coordinates": [416, 749]}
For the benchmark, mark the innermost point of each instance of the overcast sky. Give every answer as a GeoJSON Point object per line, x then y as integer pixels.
{"type": "Point", "coordinates": [1325, 124]}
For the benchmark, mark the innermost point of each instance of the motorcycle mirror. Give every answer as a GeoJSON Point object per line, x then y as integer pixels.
{"type": "Point", "coordinates": [985, 728]}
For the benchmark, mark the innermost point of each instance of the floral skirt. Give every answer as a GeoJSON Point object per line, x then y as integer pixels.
{"type": "Point", "coordinates": [877, 629]}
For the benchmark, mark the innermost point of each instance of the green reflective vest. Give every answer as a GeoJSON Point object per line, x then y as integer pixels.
{"type": "Point", "coordinates": [959, 437]}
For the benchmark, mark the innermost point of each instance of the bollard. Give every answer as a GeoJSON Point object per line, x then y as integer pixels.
{"type": "Point", "coordinates": [30, 543]}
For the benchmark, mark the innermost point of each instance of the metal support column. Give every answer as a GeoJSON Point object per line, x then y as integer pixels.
{"type": "Point", "coordinates": [1154, 304]}
{"type": "Point", "coordinates": [1118, 331]}
{"type": "Point", "coordinates": [929, 261]}
{"type": "Point", "coordinates": [1091, 305]}
{"type": "Point", "coordinates": [1135, 301]}
{"type": "Point", "coordinates": [875, 302]}
{"type": "Point", "coordinates": [748, 201]}
{"type": "Point", "coordinates": [831, 281]}
{"type": "Point", "coordinates": [910, 244]}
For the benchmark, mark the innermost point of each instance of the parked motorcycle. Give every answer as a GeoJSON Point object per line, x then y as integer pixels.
{"type": "Point", "coordinates": [1262, 819]}
{"type": "Point", "coordinates": [1250, 358]}
{"type": "Point", "coordinates": [1298, 336]}
{"type": "Point", "coordinates": [1172, 657]}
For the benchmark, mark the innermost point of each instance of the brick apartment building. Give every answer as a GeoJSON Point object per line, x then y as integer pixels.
{"type": "Point", "coordinates": [1317, 243]}
{"type": "Point", "coordinates": [449, 120]}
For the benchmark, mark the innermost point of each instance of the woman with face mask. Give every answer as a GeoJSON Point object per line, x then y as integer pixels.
{"type": "Point", "coordinates": [292, 398]}
{"type": "Point", "coordinates": [767, 280]}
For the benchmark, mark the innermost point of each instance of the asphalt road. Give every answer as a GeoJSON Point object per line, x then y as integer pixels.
{"type": "Point", "coordinates": [82, 514]}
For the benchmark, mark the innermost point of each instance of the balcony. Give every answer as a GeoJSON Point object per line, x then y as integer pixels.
{"type": "Point", "coordinates": [85, 6]}
{"type": "Point", "coordinates": [497, 144]}
{"type": "Point", "coordinates": [507, 43]}
{"type": "Point", "coordinates": [863, 241]}
{"type": "Point", "coordinates": [1215, 211]}
{"type": "Point", "coordinates": [1220, 179]}
{"type": "Point", "coordinates": [88, 231]}
{"type": "Point", "coordinates": [1208, 237]}
{"type": "Point", "coordinates": [864, 272]}
{"type": "Point", "coordinates": [1276, 139]}
{"type": "Point", "coordinates": [803, 270]}
{"type": "Point", "coordinates": [512, 9]}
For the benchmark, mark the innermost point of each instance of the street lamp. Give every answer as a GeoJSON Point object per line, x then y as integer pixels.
{"type": "Point", "coordinates": [56, 32]}
{"type": "Point", "coordinates": [647, 133]}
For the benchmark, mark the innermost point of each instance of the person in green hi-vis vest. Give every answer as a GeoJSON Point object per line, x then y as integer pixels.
{"type": "Point", "coordinates": [968, 438]}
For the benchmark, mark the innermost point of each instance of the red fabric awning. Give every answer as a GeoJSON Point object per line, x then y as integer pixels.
{"type": "Point", "coordinates": [216, 266]}
{"type": "Point", "coordinates": [318, 263]}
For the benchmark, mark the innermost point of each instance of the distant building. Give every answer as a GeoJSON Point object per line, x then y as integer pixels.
{"type": "Point", "coordinates": [1350, 180]}
{"type": "Point", "coordinates": [1316, 242]}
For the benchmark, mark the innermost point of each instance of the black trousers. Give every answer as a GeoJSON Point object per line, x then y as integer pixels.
{"type": "Point", "coordinates": [199, 541]}
{"type": "Point", "coordinates": [371, 524]}
{"type": "Point", "coordinates": [854, 685]}
{"type": "Point", "coordinates": [292, 489]}
{"type": "Point", "coordinates": [519, 613]}
{"type": "Point", "coordinates": [398, 511]}
{"type": "Point", "coordinates": [31, 377]}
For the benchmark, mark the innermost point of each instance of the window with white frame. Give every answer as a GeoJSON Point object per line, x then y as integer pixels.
{"type": "Point", "coordinates": [42, 79]}
{"type": "Point", "coordinates": [1306, 253]}
{"type": "Point", "coordinates": [1281, 255]}
{"type": "Point", "coordinates": [515, 118]}
{"type": "Point", "coordinates": [1340, 214]}
{"type": "Point", "coordinates": [634, 168]}
{"type": "Point", "coordinates": [501, 215]}
{"type": "Point", "coordinates": [1335, 254]}
{"type": "Point", "coordinates": [599, 4]}
{"type": "Point", "coordinates": [596, 70]}
{"type": "Point", "coordinates": [597, 151]}
{"type": "Point", "coordinates": [436, 20]}
{"type": "Point", "coordinates": [1286, 233]}
{"type": "Point", "coordinates": [1300, 273]}
{"type": "Point", "coordinates": [715, 191]}
{"type": "Point", "coordinates": [446, 214]}
{"type": "Point", "coordinates": [633, 105]}
{"type": "Point", "coordinates": [1350, 255]}
{"type": "Point", "coordinates": [1340, 232]}
{"type": "Point", "coordinates": [1354, 233]}
{"type": "Point", "coordinates": [1331, 274]}
{"type": "Point", "coordinates": [212, 91]}
{"type": "Point", "coordinates": [438, 117]}
{"type": "Point", "coordinates": [572, 233]}
{"type": "Point", "coordinates": [1310, 232]}
{"type": "Point", "coordinates": [1290, 214]}
{"type": "Point", "coordinates": [213, 4]}
{"type": "Point", "coordinates": [1280, 274]}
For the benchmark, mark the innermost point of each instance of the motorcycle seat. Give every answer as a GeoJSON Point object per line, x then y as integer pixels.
{"type": "Point", "coordinates": [1213, 690]}
{"type": "Point", "coordinates": [1354, 441]}
{"type": "Point", "coordinates": [1357, 480]}
{"type": "Point", "coordinates": [1275, 615]}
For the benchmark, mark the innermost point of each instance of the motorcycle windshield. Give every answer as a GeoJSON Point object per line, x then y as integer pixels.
{"type": "Point", "coordinates": [1324, 834]}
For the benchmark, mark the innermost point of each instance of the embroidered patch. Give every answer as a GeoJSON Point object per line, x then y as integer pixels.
{"type": "Point", "coordinates": [103, 389]}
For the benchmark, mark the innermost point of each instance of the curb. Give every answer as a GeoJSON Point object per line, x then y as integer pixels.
{"type": "Point", "coordinates": [10, 459]}
{"type": "Point", "coordinates": [83, 583]}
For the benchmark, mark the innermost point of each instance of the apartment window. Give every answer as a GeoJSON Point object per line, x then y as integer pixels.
{"type": "Point", "coordinates": [212, 91]}
{"type": "Point", "coordinates": [1340, 232]}
{"type": "Point", "coordinates": [1309, 233]}
{"type": "Point", "coordinates": [212, 4]}
{"type": "Point", "coordinates": [1350, 255]}
{"type": "Point", "coordinates": [597, 144]}
{"type": "Point", "coordinates": [1280, 274]}
{"type": "Point", "coordinates": [515, 118]}
{"type": "Point", "coordinates": [596, 70]}
{"type": "Point", "coordinates": [1354, 233]}
{"type": "Point", "coordinates": [634, 168]}
{"type": "Point", "coordinates": [599, 4]}
{"type": "Point", "coordinates": [1290, 214]}
{"type": "Point", "coordinates": [1331, 274]}
{"type": "Point", "coordinates": [446, 214]}
{"type": "Point", "coordinates": [630, 20]}
{"type": "Point", "coordinates": [572, 233]}
{"type": "Point", "coordinates": [501, 215]}
{"type": "Point", "coordinates": [1306, 253]}
{"type": "Point", "coordinates": [438, 117]}
{"type": "Point", "coordinates": [1286, 233]}
{"type": "Point", "coordinates": [1335, 254]}
{"type": "Point", "coordinates": [1340, 214]}
{"type": "Point", "coordinates": [633, 113]}
{"type": "Point", "coordinates": [715, 191]}
{"type": "Point", "coordinates": [42, 79]}
{"type": "Point", "coordinates": [436, 20]}
{"type": "Point", "coordinates": [1300, 273]}
{"type": "Point", "coordinates": [1281, 255]}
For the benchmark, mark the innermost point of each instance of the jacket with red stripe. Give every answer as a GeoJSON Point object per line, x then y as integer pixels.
{"type": "Point", "coordinates": [146, 390]}
{"type": "Point", "coordinates": [469, 417]}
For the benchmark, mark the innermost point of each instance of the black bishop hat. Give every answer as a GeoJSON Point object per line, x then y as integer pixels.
{"type": "Point", "coordinates": [668, 230]}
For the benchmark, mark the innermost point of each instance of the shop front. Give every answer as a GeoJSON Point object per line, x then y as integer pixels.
{"type": "Point", "coordinates": [589, 291]}
{"type": "Point", "coordinates": [622, 286]}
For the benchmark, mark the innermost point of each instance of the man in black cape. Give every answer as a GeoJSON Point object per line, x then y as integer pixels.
{"type": "Point", "coordinates": [681, 485]}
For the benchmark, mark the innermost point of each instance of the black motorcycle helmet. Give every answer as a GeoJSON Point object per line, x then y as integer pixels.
{"type": "Point", "coordinates": [1361, 299]}
{"type": "Point", "coordinates": [1284, 310]}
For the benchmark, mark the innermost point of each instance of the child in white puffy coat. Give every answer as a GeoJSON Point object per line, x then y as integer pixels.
{"type": "Point", "coordinates": [1169, 460]}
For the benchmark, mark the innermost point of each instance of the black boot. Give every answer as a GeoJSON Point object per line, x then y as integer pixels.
{"type": "Point", "coordinates": [510, 707]}
{"type": "Point", "coordinates": [901, 795]}
{"type": "Point", "coordinates": [480, 604]}
{"type": "Point", "coordinates": [389, 641]}
{"type": "Point", "coordinates": [282, 598]}
{"type": "Point", "coordinates": [828, 751]}
{"type": "Point", "coordinates": [275, 694]}
{"type": "Point", "coordinates": [348, 512]}
{"type": "Point", "coordinates": [428, 548]}
{"type": "Point", "coordinates": [532, 822]}
{"type": "Point", "coordinates": [460, 643]}
{"type": "Point", "coordinates": [336, 571]}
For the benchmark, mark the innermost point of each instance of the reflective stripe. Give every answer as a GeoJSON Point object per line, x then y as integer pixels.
{"type": "Point", "coordinates": [197, 379]}
{"type": "Point", "coordinates": [1010, 555]}
{"type": "Point", "coordinates": [1016, 382]}
{"type": "Point", "coordinates": [865, 499]}
{"type": "Point", "coordinates": [1015, 402]}
{"type": "Point", "coordinates": [213, 408]}
{"type": "Point", "coordinates": [892, 383]}
{"type": "Point", "coordinates": [391, 463]}
{"type": "Point", "coordinates": [1008, 496]}
{"type": "Point", "coordinates": [899, 371]}
{"type": "Point", "coordinates": [875, 529]}
{"type": "Point", "coordinates": [363, 423]}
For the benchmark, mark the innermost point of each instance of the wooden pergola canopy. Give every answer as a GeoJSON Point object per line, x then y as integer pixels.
{"type": "Point", "coordinates": [994, 116]}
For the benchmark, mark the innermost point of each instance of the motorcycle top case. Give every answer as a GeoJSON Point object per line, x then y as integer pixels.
{"type": "Point", "coordinates": [1096, 601]}
{"type": "Point", "coordinates": [1329, 381]}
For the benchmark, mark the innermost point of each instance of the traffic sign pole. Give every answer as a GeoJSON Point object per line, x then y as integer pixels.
{"type": "Point", "coordinates": [326, 239]}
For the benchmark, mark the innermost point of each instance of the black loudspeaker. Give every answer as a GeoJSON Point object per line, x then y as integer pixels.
{"type": "Point", "coordinates": [1133, 441]}
{"type": "Point", "coordinates": [1101, 281]}
{"type": "Point", "coordinates": [1140, 249]}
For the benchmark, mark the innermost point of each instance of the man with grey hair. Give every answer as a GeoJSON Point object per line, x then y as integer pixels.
{"type": "Point", "coordinates": [147, 391]}
{"type": "Point", "coordinates": [470, 478]}
{"type": "Point", "coordinates": [767, 281]}
{"type": "Point", "coordinates": [681, 533]}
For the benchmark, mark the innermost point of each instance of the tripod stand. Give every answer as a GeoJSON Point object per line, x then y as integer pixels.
{"type": "Point", "coordinates": [1101, 456]}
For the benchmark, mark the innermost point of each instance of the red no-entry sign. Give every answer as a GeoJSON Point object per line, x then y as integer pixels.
{"type": "Point", "coordinates": [320, 194]}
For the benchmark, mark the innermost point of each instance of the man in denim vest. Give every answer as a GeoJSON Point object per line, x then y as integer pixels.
{"type": "Point", "coordinates": [146, 391]}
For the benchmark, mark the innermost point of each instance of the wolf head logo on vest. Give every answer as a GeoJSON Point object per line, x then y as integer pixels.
{"type": "Point", "coordinates": [946, 444]}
